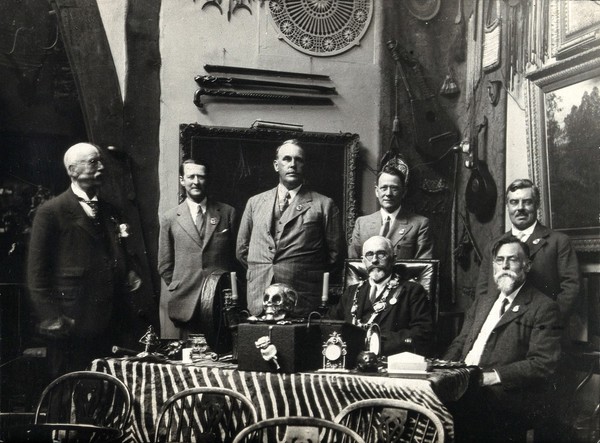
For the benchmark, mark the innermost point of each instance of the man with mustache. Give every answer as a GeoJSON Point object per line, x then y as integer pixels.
{"type": "Point", "coordinates": [513, 334]}
{"type": "Point", "coordinates": [400, 308]}
{"type": "Point", "coordinates": [408, 232]}
{"type": "Point", "coordinates": [289, 234]}
{"type": "Point", "coordinates": [76, 267]}
{"type": "Point", "coordinates": [195, 237]}
{"type": "Point", "coordinates": [554, 265]}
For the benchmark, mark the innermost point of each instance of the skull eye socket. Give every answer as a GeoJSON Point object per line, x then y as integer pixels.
{"type": "Point", "coordinates": [276, 299]}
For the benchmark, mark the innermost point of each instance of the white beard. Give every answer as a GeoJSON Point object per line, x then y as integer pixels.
{"type": "Point", "coordinates": [377, 274]}
{"type": "Point", "coordinates": [506, 280]}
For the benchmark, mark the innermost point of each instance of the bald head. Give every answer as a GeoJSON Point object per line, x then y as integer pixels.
{"type": "Point", "coordinates": [83, 163]}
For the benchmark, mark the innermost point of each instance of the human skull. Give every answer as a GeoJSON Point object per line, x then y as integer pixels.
{"type": "Point", "coordinates": [278, 302]}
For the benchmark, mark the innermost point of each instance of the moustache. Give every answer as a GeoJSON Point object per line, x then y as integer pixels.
{"type": "Point", "coordinates": [505, 273]}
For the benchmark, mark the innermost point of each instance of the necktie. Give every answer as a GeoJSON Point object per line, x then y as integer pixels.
{"type": "Point", "coordinates": [93, 204]}
{"type": "Point", "coordinates": [385, 229]}
{"type": "Point", "coordinates": [286, 202]}
{"type": "Point", "coordinates": [373, 294]}
{"type": "Point", "coordinates": [503, 306]}
{"type": "Point", "coordinates": [200, 222]}
{"type": "Point", "coordinates": [521, 236]}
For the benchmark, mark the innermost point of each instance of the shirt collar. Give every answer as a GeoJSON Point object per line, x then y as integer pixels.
{"type": "Point", "coordinates": [392, 215]}
{"type": "Point", "coordinates": [527, 231]}
{"type": "Point", "coordinates": [194, 206]}
{"type": "Point", "coordinates": [281, 191]}
{"type": "Point", "coordinates": [81, 193]}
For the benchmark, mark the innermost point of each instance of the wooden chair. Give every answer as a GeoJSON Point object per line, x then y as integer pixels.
{"type": "Point", "coordinates": [389, 420]}
{"type": "Point", "coordinates": [297, 429]}
{"type": "Point", "coordinates": [205, 415]}
{"type": "Point", "coordinates": [82, 406]}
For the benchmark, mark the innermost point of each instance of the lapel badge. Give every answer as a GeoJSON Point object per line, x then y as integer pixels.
{"type": "Point", "coordinates": [516, 308]}
{"type": "Point", "coordinates": [393, 301]}
{"type": "Point", "coordinates": [213, 220]}
{"type": "Point", "coordinates": [536, 241]}
{"type": "Point", "coordinates": [299, 208]}
{"type": "Point", "coordinates": [401, 231]}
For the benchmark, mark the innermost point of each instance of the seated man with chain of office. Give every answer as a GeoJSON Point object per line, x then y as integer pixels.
{"type": "Point", "coordinates": [400, 308]}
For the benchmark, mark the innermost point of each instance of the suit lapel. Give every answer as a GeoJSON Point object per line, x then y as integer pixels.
{"type": "Point", "coordinates": [361, 299]}
{"type": "Point", "coordinates": [297, 206]}
{"type": "Point", "coordinates": [399, 228]}
{"type": "Point", "coordinates": [518, 307]}
{"type": "Point", "coordinates": [484, 310]}
{"type": "Point", "coordinates": [79, 216]}
{"type": "Point", "coordinates": [537, 239]}
{"type": "Point", "coordinates": [396, 291]}
{"type": "Point", "coordinates": [213, 216]}
{"type": "Point", "coordinates": [184, 218]}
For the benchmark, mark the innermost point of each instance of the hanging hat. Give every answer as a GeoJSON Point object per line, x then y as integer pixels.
{"type": "Point", "coordinates": [397, 162]}
{"type": "Point", "coordinates": [423, 9]}
{"type": "Point", "coordinates": [449, 87]}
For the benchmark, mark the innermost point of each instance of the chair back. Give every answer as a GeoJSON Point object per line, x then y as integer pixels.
{"type": "Point", "coordinates": [388, 420]}
{"type": "Point", "coordinates": [424, 272]}
{"type": "Point", "coordinates": [204, 414]}
{"type": "Point", "coordinates": [297, 429]}
{"type": "Point", "coordinates": [85, 398]}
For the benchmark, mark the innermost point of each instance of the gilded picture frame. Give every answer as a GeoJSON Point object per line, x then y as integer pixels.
{"type": "Point", "coordinates": [563, 104]}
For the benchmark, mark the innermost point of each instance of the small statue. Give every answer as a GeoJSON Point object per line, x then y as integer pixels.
{"type": "Point", "coordinates": [149, 339]}
{"type": "Point", "coordinates": [278, 303]}
{"type": "Point", "coordinates": [367, 362]}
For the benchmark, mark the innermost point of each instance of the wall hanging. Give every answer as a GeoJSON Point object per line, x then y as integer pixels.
{"type": "Point", "coordinates": [321, 27]}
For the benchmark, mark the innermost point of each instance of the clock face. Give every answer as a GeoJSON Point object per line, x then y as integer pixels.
{"type": "Point", "coordinates": [333, 352]}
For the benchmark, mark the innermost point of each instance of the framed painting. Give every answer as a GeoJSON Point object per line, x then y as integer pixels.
{"type": "Point", "coordinates": [241, 163]}
{"type": "Point", "coordinates": [563, 146]}
{"type": "Point", "coordinates": [575, 26]}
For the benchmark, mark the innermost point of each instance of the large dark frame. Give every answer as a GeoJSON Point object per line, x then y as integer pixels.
{"type": "Point", "coordinates": [240, 161]}
{"type": "Point", "coordinates": [541, 83]}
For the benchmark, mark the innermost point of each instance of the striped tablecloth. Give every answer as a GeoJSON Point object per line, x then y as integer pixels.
{"type": "Point", "coordinates": [274, 395]}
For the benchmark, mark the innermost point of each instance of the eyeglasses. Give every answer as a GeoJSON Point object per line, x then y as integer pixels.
{"type": "Point", "coordinates": [511, 260]}
{"type": "Point", "coordinates": [92, 161]}
{"type": "Point", "coordinates": [379, 254]}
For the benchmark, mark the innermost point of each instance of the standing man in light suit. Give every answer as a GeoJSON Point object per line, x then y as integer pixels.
{"type": "Point", "coordinates": [408, 232]}
{"type": "Point", "coordinates": [195, 237]}
{"type": "Point", "coordinates": [289, 234]}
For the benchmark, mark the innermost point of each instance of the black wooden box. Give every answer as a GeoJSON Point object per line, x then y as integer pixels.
{"type": "Point", "coordinates": [299, 346]}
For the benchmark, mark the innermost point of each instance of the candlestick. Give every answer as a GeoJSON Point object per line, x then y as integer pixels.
{"type": "Point", "coordinates": [234, 291]}
{"type": "Point", "coordinates": [325, 295]}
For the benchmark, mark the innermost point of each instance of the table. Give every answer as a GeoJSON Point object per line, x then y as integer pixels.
{"type": "Point", "coordinates": [316, 394]}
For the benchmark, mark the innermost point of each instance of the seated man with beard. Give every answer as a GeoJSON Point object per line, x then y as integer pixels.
{"type": "Point", "coordinates": [399, 307]}
{"type": "Point", "coordinates": [513, 334]}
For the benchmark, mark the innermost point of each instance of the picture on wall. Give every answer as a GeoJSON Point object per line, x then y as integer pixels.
{"type": "Point", "coordinates": [573, 154]}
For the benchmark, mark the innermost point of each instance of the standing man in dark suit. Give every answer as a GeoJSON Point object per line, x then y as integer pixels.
{"type": "Point", "coordinates": [76, 266]}
{"type": "Point", "coordinates": [513, 334]}
{"type": "Point", "coordinates": [408, 232]}
{"type": "Point", "coordinates": [554, 265]}
{"type": "Point", "coordinates": [289, 234]}
{"type": "Point", "coordinates": [400, 308]}
{"type": "Point", "coordinates": [195, 237]}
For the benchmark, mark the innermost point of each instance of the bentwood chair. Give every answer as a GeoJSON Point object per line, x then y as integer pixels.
{"type": "Point", "coordinates": [204, 415]}
{"type": "Point", "coordinates": [389, 420]}
{"type": "Point", "coordinates": [82, 406]}
{"type": "Point", "coordinates": [297, 429]}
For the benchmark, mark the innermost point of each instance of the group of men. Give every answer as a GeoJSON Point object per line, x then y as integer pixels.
{"type": "Point", "coordinates": [527, 285]}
